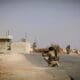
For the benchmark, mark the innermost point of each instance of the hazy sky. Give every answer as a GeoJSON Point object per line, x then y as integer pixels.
{"type": "Point", "coordinates": [47, 21]}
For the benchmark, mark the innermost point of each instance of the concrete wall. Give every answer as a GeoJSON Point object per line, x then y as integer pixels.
{"type": "Point", "coordinates": [21, 47]}
{"type": "Point", "coordinates": [4, 46]}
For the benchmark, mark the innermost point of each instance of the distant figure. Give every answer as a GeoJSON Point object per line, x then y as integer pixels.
{"type": "Point", "coordinates": [34, 46]}
{"type": "Point", "coordinates": [68, 49]}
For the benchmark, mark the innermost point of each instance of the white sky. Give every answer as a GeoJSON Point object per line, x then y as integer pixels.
{"type": "Point", "coordinates": [48, 21]}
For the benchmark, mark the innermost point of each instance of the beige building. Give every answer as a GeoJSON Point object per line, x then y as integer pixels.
{"type": "Point", "coordinates": [21, 47]}
{"type": "Point", "coordinates": [6, 44]}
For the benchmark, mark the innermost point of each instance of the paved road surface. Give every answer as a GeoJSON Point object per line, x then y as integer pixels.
{"type": "Point", "coordinates": [71, 64]}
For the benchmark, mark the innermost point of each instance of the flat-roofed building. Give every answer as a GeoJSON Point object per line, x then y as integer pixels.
{"type": "Point", "coordinates": [5, 42]}
{"type": "Point", "coordinates": [7, 45]}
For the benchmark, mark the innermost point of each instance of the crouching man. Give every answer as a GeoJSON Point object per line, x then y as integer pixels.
{"type": "Point", "coordinates": [51, 56]}
{"type": "Point", "coordinates": [53, 59]}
